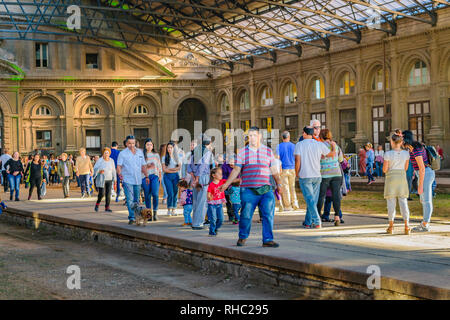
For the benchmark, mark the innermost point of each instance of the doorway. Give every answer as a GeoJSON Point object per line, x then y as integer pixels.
{"type": "Point", "coordinates": [191, 110]}
{"type": "Point", "coordinates": [348, 130]}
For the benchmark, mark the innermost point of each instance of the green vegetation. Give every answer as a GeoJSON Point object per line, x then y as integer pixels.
{"type": "Point", "coordinates": [372, 202]}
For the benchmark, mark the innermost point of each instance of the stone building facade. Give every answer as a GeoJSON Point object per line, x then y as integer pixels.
{"type": "Point", "coordinates": [70, 104]}
{"type": "Point", "coordinates": [344, 88]}
{"type": "Point", "coordinates": [91, 96]}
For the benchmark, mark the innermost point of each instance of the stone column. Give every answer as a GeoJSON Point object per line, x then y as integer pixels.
{"type": "Point", "coordinates": [118, 128]}
{"type": "Point", "coordinates": [399, 114]}
{"type": "Point", "coordinates": [437, 104]}
{"type": "Point", "coordinates": [252, 93]}
{"type": "Point", "coordinates": [362, 108]}
{"type": "Point", "coordinates": [169, 116]}
{"type": "Point", "coordinates": [70, 144]}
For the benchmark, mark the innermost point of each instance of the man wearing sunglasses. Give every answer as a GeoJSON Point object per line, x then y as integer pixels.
{"type": "Point", "coordinates": [316, 125]}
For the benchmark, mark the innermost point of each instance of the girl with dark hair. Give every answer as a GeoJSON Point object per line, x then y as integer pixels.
{"type": "Point", "coordinates": [162, 153]}
{"type": "Point", "coordinates": [154, 170]}
{"type": "Point", "coordinates": [216, 199]}
{"type": "Point", "coordinates": [395, 165]}
{"type": "Point", "coordinates": [419, 159]}
{"type": "Point", "coordinates": [171, 168]}
{"type": "Point", "coordinates": [34, 173]}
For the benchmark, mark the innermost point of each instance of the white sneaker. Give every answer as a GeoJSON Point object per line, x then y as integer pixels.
{"type": "Point", "coordinates": [421, 228]}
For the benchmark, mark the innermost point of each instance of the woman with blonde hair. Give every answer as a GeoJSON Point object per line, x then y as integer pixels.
{"type": "Point", "coordinates": [104, 177]}
{"type": "Point", "coordinates": [370, 160]}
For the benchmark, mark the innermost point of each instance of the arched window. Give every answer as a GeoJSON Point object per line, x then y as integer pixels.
{"type": "Point", "coordinates": [224, 104]}
{"type": "Point", "coordinates": [140, 109]}
{"type": "Point", "coordinates": [377, 80]}
{"type": "Point", "coordinates": [43, 111]}
{"type": "Point", "coordinates": [419, 74]}
{"type": "Point", "coordinates": [244, 100]}
{"type": "Point", "coordinates": [93, 110]}
{"type": "Point", "coordinates": [290, 93]}
{"type": "Point", "coordinates": [318, 89]}
{"type": "Point", "coordinates": [266, 97]}
{"type": "Point", "coordinates": [347, 85]}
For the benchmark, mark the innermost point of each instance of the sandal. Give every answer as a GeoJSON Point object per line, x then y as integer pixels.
{"type": "Point", "coordinates": [407, 230]}
{"type": "Point", "coordinates": [390, 230]}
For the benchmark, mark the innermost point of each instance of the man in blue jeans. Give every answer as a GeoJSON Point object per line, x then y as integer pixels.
{"type": "Point", "coordinates": [308, 153]}
{"type": "Point", "coordinates": [256, 163]}
{"type": "Point", "coordinates": [130, 164]}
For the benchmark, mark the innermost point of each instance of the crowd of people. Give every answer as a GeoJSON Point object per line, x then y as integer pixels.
{"type": "Point", "coordinates": [254, 177]}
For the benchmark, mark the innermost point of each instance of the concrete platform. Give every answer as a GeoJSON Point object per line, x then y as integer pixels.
{"type": "Point", "coordinates": [414, 266]}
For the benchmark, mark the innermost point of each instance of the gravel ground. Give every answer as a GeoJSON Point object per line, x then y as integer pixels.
{"type": "Point", "coordinates": [34, 265]}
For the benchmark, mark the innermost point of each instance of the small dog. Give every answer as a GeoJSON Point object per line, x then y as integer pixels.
{"type": "Point", "coordinates": [142, 214]}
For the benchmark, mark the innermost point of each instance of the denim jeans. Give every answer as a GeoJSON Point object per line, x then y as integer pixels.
{"type": "Point", "coordinates": [164, 188]}
{"type": "Point", "coordinates": [215, 217]}
{"type": "Point", "coordinates": [151, 190]}
{"type": "Point", "coordinates": [236, 208]}
{"type": "Point", "coordinates": [310, 188]}
{"type": "Point", "coordinates": [347, 181]}
{"type": "Point", "coordinates": [187, 210]}
{"type": "Point", "coordinates": [171, 181]}
{"type": "Point", "coordinates": [327, 209]}
{"type": "Point", "coordinates": [200, 206]}
{"type": "Point", "coordinates": [118, 187]}
{"type": "Point", "coordinates": [426, 198]}
{"type": "Point", "coordinates": [5, 180]}
{"type": "Point", "coordinates": [132, 192]}
{"type": "Point", "coordinates": [66, 186]}
{"type": "Point", "coordinates": [369, 171]}
{"type": "Point", "coordinates": [378, 169]}
{"type": "Point", "coordinates": [14, 184]}
{"type": "Point", "coordinates": [266, 205]}
{"type": "Point", "coordinates": [84, 181]}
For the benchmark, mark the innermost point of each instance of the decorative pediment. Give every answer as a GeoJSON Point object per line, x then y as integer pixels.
{"type": "Point", "coordinates": [11, 71]}
{"type": "Point", "coordinates": [7, 69]}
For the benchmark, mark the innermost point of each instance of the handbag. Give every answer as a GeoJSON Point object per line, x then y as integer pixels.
{"type": "Point", "coordinates": [43, 188]}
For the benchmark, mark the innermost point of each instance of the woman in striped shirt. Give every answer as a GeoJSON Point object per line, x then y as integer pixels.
{"type": "Point", "coordinates": [419, 159]}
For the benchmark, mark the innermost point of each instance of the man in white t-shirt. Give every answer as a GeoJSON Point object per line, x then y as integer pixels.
{"type": "Point", "coordinates": [308, 153]}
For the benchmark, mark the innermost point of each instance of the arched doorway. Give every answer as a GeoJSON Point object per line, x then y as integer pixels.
{"type": "Point", "coordinates": [191, 110]}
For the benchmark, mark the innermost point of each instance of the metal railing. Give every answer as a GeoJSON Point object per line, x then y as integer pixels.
{"type": "Point", "coordinates": [354, 165]}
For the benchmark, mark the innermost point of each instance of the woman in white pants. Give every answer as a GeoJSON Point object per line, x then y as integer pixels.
{"type": "Point", "coordinates": [396, 162]}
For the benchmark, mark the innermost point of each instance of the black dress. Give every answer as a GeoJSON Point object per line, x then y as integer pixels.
{"type": "Point", "coordinates": [35, 172]}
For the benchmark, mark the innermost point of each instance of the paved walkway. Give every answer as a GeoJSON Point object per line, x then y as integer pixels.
{"type": "Point", "coordinates": [418, 258]}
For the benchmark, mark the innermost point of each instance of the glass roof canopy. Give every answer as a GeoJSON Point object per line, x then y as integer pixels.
{"type": "Point", "coordinates": [220, 31]}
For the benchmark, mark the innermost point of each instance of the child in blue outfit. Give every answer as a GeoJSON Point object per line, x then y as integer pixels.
{"type": "Point", "coordinates": [235, 198]}
{"type": "Point", "coordinates": [2, 206]}
{"type": "Point", "coordinates": [186, 201]}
